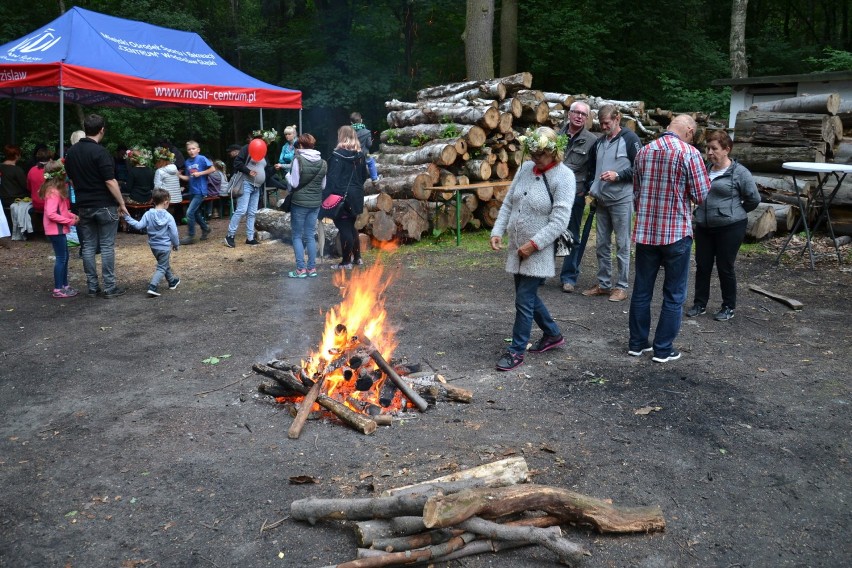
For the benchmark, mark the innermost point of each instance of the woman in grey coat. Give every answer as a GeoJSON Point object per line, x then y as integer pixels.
{"type": "Point", "coordinates": [534, 213]}
{"type": "Point", "coordinates": [720, 225]}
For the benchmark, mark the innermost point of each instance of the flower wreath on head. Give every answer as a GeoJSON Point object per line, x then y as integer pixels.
{"type": "Point", "coordinates": [268, 136]}
{"type": "Point", "coordinates": [162, 153]}
{"type": "Point", "coordinates": [141, 156]}
{"type": "Point", "coordinates": [56, 174]}
{"type": "Point", "coordinates": [533, 142]}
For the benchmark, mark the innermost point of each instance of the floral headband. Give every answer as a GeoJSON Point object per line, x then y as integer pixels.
{"type": "Point", "coordinates": [162, 153]}
{"type": "Point", "coordinates": [141, 156]}
{"type": "Point", "coordinates": [269, 136]}
{"type": "Point", "coordinates": [534, 142]}
{"type": "Point", "coordinates": [55, 174]}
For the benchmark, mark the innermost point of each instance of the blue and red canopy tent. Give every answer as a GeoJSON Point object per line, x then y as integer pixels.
{"type": "Point", "coordinates": [97, 60]}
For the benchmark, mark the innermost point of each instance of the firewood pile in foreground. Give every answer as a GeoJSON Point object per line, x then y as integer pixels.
{"type": "Point", "coordinates": [488, 508]}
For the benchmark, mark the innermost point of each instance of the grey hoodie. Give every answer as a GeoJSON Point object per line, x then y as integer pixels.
{"type": "Point", "coordinates": [732, 195]}
{"type": "Point", "coordinates": [161, 228]}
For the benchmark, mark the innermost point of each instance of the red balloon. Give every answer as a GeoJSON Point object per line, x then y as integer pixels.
{"type": "Point", "coordinates": [257, 149]}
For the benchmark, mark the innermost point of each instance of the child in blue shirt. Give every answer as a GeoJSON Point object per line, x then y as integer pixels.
{"type": "Point", "coordinates": [197, 168]}
{"type": "Point", "coordinates": [162, 238]}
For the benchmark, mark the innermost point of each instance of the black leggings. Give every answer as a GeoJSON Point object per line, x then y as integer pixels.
{"type": "Point", "coordinates": [718, 245]}
{"type": "Point", "coordinates": [349, 242]}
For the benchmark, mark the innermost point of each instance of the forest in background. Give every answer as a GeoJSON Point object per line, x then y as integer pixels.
{"type": "Point", "coordinates": [347, 55]}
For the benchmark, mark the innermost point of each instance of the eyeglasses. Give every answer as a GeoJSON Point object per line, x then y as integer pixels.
{"type": "Point", "coordinates": [579, 113]}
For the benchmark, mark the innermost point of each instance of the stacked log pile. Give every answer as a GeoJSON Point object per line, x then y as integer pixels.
{"type": "Point", "coordinates": [484, 509]}
{"type": "Point", "coordinates": [798, 129]}
{"type": "Point", "coordinates": [466, 135]}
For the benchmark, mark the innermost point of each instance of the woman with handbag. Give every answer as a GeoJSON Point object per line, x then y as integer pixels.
{"type": "Point", "coordinates": [343, 197]}
{"type": "Point", "coordinates": [534, 214]}
{"type": "Point", "coordinates": [307, 180]}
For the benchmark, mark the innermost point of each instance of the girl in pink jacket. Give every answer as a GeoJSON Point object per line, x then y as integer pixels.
{"type": "Point", "coordinates": [57, 220]}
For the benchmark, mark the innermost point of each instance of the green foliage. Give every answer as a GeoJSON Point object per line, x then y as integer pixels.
{"type": "Point", "coordinates": [832, 60]}
{"type": "Point", "coordinates": [392, 136]}
{"type": "Point", "coordinates": [450, 131]}
{"type": "Point", "coordinates": [682, 99]}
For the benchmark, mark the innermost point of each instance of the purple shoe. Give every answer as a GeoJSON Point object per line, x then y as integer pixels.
{"type": "Point", "coordinates": [547, 343]}
{"type": "Point", "coordinates": [509, 361]}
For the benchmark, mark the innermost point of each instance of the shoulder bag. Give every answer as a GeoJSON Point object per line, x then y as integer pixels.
{"type": "Point", "coordinates": [333, 204]}
{"type": "Point", "coordinates": [564, 244]}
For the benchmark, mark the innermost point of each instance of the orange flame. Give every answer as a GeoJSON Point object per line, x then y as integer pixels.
{"type": "Point", "coordinates": [360, 313]}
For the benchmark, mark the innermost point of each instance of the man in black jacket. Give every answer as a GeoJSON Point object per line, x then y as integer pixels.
{"type": "Point", "coordinates": [99, 204]}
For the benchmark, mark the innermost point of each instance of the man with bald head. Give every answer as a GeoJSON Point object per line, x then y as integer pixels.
{"type": "Point", "coordinates": [668, 174]}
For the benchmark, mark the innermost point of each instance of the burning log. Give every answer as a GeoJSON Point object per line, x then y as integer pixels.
{"type": "Point", "coordinates": [387, 392]}
{"type": "Point", "coordinates": [406, 390]}
{"type": "Point", "coordinates": [354, 420]}
{"type": "Point", "coordinates": [448, 510]}
{"type": "Point", "coordinates": [307, 403]}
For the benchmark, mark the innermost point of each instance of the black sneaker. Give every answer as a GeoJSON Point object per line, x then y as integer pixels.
{"type": "Point", "coordinates": [205, 233]}
{"type": "Point", "coordinates": [695, 310]}
{"type": "Point", "coordinates": [252, 242]}
{"type": "Point", "coordinates": [639, 352]}
{"type": "Point", "coordinates": [229, 241]}
{"type": "Point", "coordinates": [672, 356]}
{"type": "Point", "coordinates": [114, 293]}
{"type": "Point", "coordinates": [547, 343]}
{"type": "Point", "coordinates": [509, 361]}
{"type": "Point", "coordinates": [153, 292]}
{"type": "Point", "coordinates": [94, 293]}
{"type": "Point", "coordinates": [174, 283]}
{"type": "Point", "coordinates": [724, 314]}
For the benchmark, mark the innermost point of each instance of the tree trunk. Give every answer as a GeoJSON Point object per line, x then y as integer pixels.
{"type": "Point", "coordinates": [769, 159]}
{"type": "Point", "coordinates": [478, 169]}
{"type": "Point", "coordinates": [488, 212]}
{"type": "Point", "coordinates": [739, 63]}
{"type": "Point", "coordinates": [378, 202]}
{"type": "Point", "coordinates": [512, 106]}
{"type": "Point", "coordinates": [443, 155]}
{"type": "Point", "coordinates": [479, 49]}
{"type": "Point", "coordinates": [474, 135]}
{"type": "Point", "coordinates": [397, 118]}
{"type": "Point", "coordinates": [403, 187]}
{"type": "Point", "coordinates": [784, 129]}
{"type": "Point", "coordinates": [828, 103]}
{"type": "Point", "coordinates": [486, 117]}
{"type": "Point", "coordinates": [508, 37]}
{"type": "Point", "coordinates": [501, 473]}
{"type": "Point", "coordinates": [393, 170]}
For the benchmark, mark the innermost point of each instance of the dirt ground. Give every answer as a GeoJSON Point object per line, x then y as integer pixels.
{"type": "Point", "coordinates": [121, 447]}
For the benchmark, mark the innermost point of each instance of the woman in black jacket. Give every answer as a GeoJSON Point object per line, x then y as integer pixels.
{"type": "Point", "coordinates": [347, 172]}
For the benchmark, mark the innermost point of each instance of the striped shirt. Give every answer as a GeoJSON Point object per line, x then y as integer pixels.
{"type": "Point", "coordinates": [668, 173]}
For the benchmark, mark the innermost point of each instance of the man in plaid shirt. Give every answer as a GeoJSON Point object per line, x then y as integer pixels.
{"type": "Point", "coordinates": [668, 174]}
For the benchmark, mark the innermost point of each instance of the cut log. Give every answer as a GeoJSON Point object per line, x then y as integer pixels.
{"type": "Point", "coordinates": [378, 202]}
{"type": "Point", "coordinates": [402, 187]}
{"type": "Point", "coordinates": [391, 373]}
{"type": "Point", "coordinates": [470, 201]}
{"type": "Point", "coordinates": [769, 159]}
{"type": "Point", "coordinates": [636, 108]}
{"type": "Point", "coordinates": [505, 123]}
{"type": "Point", "coordinates": [536, 113]}
{"type": "Point", "coordinates": [517, 81]}
{"type": "Point", "coordinates": [307, 403]}
{"type": "Point", "coordinates": [488, 212]}
{"type": "Point", "coordinates": [474, 135]}
{"type": "Point", "coordinates": [443, 216]}
{"type": "Point", "coordinates": [441, 154]}
{"type": "Point", "coordinates": [501, 473]}
{"type": "Point", "coordinates": [479, 169]}
{"type": "Point", "coordinates": [761, 224]}
{"type": "Point", "coordinates": [560, 98]}
{"type": "Point", "coordinates": [513, 106]}
{"type": "Point", "coordinates": [447, 178]}
{"type": "Point", "coordinates": [486, 117]}
{"type": "Point", "coordinates": [781, 183]}
{"type": "Point", "coordinates": [500, 170]}
{"type": "Point", "coordinates": [828, 103]}
{"type": "Point", "coordinates": [446, 90]}
{"type": "Point", "coordinates": [447, 510]}
{"type": "Point", "coordinates": [398, 118]}
{"type": "Point", "coordinates": [394, 170]}
{"type": "Point", "coordinates": [348, 416]}
{"type": "Point", "coordinates": [784, 129]}
{"type": "Point", "coordinates": [784, 215]}
{"type": "Point", "coordinates": [382, 227]}
{"type": "Point", "coordinates": [313, 510]}
{"type": "Point", "coordinates": [529, 97]}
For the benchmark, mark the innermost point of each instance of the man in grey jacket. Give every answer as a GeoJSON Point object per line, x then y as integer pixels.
{"type": "Point", "coordinates": [580, 142]}
{"type": "Point", "coordinates": [612, 187]}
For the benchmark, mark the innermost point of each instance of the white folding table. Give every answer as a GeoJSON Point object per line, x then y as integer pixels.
{"type": "Point", "coordinates": [820, 200]}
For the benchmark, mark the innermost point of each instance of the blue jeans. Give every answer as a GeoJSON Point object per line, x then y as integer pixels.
{"type": "Point", "coordinates": [194, 214]}
{"type": "Point", "coordinates": [303, 221]}
{"type": "Point", "coordinates": [613, 219]}
{"type": "Point", "coordinates": [674, 260]}
{"type": "Point", "coordinates": [97, 228]}
{"type": "Point", "coordinates": [60, 266]}
{"type": "Point", "coordinates": [163, 267]}
{"type": "Point", "coordinates": [570, 265]}
{"type": "Point", "coordinates": [246, 205]}
{"type": "Point", "coordinates": [529, 308]}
